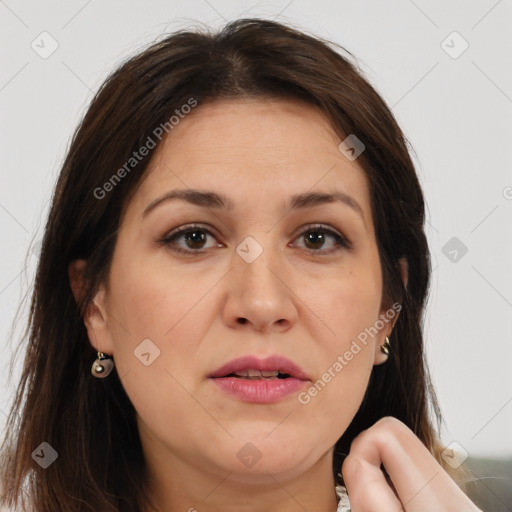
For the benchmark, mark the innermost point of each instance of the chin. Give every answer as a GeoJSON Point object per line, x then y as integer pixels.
{"type": "Point", "coordinates": [260, 455]}
{"type": "Point", "coordinates": [268, 470]}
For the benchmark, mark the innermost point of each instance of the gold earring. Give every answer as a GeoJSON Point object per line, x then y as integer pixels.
{"type": "Point", "coordinates": [102, 366]}
{"type": "Point", "coordinates": [384, 348]}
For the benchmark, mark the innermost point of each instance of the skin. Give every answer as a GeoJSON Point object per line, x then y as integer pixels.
{"type": "Point", "coordinates": [306, 301]}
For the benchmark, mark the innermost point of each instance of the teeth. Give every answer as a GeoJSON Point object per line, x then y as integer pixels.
{"type": "Point", "coordinates": [270, 373]}
{"type": "Point", "coordinates": [257, 373]}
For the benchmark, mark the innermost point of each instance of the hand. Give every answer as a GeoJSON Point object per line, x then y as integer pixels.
{"type": "Point", "coordinates": [420, 483]}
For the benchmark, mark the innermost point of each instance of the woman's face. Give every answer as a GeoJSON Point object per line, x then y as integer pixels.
{"type": "Point", "coordinates": [255, 278]}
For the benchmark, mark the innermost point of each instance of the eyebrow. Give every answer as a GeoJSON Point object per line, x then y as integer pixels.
{"type": "Point", "coordinates": [207, 199]}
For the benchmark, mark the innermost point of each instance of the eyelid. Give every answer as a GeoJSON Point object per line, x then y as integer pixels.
{"type": "Point", "coordinates": [316, 225]}
{"type": "Point", "coordinates": [189, 227]}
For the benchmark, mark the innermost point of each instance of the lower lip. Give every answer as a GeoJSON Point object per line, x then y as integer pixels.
{"type": "Point", "coordinates": [265, 391]}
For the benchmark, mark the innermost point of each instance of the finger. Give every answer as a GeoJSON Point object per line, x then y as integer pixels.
{"type": "Point", "coordinates": [418, 478]}
{"type": "Point", "coordinates": [367, 487]}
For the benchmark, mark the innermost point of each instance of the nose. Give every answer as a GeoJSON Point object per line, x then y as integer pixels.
{"type": "Point", "coordinates": [260, 295]}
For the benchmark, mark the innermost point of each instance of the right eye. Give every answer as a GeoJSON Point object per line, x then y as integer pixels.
{"type": "Point", "coordinates": [193, 235]}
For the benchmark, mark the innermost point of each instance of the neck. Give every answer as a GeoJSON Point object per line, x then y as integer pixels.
{"type": "Point", "coordinates": [175, 484]}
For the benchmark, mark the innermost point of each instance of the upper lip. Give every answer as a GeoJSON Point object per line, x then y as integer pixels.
{"type": "Point", "coordinates": [274, 362]}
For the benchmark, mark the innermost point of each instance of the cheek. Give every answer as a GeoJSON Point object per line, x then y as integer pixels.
{"type": "Point", "coordinates": [347, 362]}
{"type": "Point", "coordinates": [156, 300]}
{"type": "Point", "coordinates": [157, 309]}
{"type": "Point", "coordinates": [172, 309]}
{"type": "Point", "coordinates": [351, 308]}
{"type": "Point", "coordinates": [352, 304]}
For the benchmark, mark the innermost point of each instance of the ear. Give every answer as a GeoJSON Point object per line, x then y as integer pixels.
{"type": "Point", "coordinates": [404, 266]}
{"type": "Point", "coordinates": [380, 357]}
{"type": "Point", "coordinates": [95, 314]}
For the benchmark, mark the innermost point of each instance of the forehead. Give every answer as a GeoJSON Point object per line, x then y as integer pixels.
{"type": "Point", "coordinates": [239, 128]}
{"type": "Point", "coordinates": [261, 148]}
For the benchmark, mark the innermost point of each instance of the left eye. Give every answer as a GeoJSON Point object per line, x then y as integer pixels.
{"type": "Point", "coordinates": [195, 238]}
{"type": "Point", "coordinates": [317, 234]}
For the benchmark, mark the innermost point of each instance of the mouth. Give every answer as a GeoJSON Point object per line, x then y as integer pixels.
{"type": "Point", "coordinates": [252, 374]}
{"type": "Point", "coordinates": [274, 367]}
{"type": "Point", "coordinates": [260, 381]}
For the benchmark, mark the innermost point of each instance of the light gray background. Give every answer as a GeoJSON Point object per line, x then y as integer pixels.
{"type": "Point", "coordinates": [457, 113]}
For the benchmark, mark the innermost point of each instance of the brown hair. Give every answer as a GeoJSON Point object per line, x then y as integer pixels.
{"type": "Point", "coordinates": [91, 422]}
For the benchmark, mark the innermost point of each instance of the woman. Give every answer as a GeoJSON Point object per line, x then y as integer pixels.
{"type": "Point", "coordinates": [236, 245]}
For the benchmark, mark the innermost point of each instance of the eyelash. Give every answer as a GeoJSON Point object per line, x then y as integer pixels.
{"type": "Point", "coordinates": [341, 241]}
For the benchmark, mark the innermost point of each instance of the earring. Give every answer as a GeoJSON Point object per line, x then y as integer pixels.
{"type": "Point", "coordinates": [102, 366]}
{"type": "Point", "coordinates": [384, 348]}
